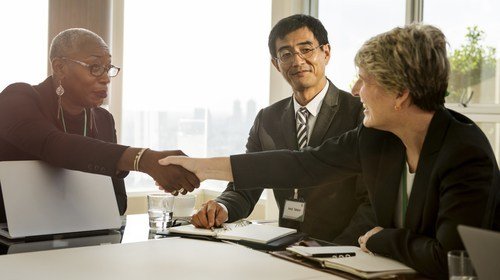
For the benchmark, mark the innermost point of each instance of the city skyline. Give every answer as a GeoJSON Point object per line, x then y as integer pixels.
{"type": "Point", "coordinates": [198, 133]}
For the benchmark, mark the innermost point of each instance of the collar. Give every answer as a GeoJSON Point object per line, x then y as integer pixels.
{"type": "Point", "coordinates": [315, 104]}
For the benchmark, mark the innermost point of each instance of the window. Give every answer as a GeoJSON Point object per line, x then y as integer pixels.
{"type": "Point", "coordinates": [194, 75]}
{"type": "Point", "coordinates": [349, 25]}
{"type": "Point", "coordinates": [471, 29]}
{"type": "Point", "coordinates": [24, 42]}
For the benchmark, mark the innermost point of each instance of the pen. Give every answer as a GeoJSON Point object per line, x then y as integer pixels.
{"type": "Point", "coordinates": [334, 255]}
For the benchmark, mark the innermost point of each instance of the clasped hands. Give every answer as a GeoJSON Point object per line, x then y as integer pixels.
{"type": "Point", "coordinates": [363, 239]}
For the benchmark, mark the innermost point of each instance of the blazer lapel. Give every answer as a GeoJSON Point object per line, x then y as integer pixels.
{"type": "Point", "coordinates": [325, 117]}
{"type": "Point", "coordinates": [288, 126]}
{"type": "Point", "coordinates": [432, 144]}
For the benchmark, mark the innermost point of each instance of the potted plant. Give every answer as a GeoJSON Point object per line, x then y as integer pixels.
{"type": "Point", "coordinates": [471, 65]}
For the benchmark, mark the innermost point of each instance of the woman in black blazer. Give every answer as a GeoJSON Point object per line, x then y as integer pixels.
{"type": "Point", "coordinates": [427, 169]}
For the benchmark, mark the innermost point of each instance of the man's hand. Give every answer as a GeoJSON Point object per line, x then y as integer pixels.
{"type": "Point", "coordinates": [210, 215]}
{"type": "Point", "coordinates": [172, 178]}
{"type": "Point", "coordinates": [363, 239]}
{"type": "Point", "coordinates": [217, 168]}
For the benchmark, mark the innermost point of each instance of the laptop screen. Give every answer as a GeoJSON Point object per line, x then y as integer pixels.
{"type": "Point", "coordinates": [483, 247]}
{"type": "Point", "coordinates": [41, 199]}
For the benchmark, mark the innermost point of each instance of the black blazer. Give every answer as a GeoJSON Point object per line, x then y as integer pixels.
{"type": "Point", "coordinates": [457, 182]}
{"type": "Point", "coordinates": [30, 130]}
{"type": "Point", "coordinates": [328, 209]}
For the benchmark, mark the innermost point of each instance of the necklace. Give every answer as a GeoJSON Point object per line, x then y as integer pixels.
{"type": "Point", "coordinates": [84, 124]}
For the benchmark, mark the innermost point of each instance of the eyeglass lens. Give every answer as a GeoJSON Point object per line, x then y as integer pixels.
{"type": "Point", "coordinates": [287, 55]}
{"type": "Point", "coordinates": [98, 70]}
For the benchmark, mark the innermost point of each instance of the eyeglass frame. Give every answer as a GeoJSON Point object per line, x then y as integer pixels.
{"type": "Point", "coordinates": [90, 66]}
{"type": "Point", "coordinates": [301, 55]}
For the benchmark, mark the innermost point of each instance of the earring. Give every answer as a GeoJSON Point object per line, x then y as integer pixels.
{"type": "Point", "coordinates": [397, 107]}
{"type": "Point", "coordinates": [60, 89]}
{"type": "Point", "coordinates": [59, 92]}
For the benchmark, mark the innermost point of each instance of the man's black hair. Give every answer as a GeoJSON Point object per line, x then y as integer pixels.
{"type": "Point", "coordinates": [292, 23]}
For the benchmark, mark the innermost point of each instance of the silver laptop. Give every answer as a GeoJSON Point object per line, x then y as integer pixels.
{"type": "Point", "coordinates": [41, 199]}
{"type": "Point", "coordinates": [114, 237]}
{"type": "Point", "coordinates": [483, 247]}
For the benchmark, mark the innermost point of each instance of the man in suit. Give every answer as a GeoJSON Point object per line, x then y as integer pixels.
{"type": "Point", "coordinates": [300, 52]}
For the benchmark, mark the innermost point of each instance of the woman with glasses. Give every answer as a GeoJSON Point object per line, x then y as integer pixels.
{"type": "Point", "coordinates": [427, 168]}
{"type": "Point", "coordinates": [60, 122]}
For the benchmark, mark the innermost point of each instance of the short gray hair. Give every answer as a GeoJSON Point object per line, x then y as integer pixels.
{"type": "Point", "coordinates": [71, 40]}
{"type": "Point", "coordinates": [413, 57]}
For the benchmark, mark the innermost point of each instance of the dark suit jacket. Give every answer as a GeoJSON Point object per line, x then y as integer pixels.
{"type": "Point", "coordinates": [328, 209]}
{"type": "Point", "coordinates": [457, 182]}
{"type": "Point", "coordinates": [30, 130]}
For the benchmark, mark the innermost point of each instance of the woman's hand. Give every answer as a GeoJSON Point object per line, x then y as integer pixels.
{"type": "Point", "coordinates": [173, 179]}
{"type": "Point", "coordinates": [204, 168]}
{"type": "Point", "coordinates": [363, 239]}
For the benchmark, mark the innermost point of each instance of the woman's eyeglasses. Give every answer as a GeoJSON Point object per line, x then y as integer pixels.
{"type": "Point", "coordinates": [96, 69]}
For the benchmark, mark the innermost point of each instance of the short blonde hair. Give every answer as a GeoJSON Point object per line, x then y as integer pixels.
{"type": "Point", "coordinates": [413, 57]}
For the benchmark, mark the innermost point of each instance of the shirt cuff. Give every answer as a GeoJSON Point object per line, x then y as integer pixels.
{"type": "Point", "coordinates": [225, 209]}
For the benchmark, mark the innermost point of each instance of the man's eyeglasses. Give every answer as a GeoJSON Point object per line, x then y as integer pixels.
{"type": "Point", "coordinates": [96, 69]}
{"type": "Point", "coordinates": [286, 56]}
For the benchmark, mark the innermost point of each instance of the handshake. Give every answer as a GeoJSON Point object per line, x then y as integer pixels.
{"type": "Point", "coordinates": [173, 171]}
{"type": "Point", "coordinates": [171, 178]}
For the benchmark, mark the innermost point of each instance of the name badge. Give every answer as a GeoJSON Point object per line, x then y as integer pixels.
{"type": "Point", "coordinates": [294, 210]}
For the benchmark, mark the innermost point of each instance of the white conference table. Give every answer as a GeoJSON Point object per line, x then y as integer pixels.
{"type": "Point", "coordinates": [168, 258]}
{"type": "Point", "coordinates": [165, 258]}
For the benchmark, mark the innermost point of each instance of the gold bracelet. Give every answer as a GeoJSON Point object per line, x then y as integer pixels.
{"type": "Point", "coordinates": [138, 157]}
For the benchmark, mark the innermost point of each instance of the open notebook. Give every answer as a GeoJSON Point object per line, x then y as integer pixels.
{"type": "Point", "coordinates": [238, 231]}
{"type": "Point", "coordinates": [357, 263]}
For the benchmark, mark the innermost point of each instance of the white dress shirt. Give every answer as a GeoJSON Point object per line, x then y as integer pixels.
{"type": "Point", "coordinates": [313, 107]}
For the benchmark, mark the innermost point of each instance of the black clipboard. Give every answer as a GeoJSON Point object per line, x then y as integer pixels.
{"type": "Point", "coordinates": [275, 245]}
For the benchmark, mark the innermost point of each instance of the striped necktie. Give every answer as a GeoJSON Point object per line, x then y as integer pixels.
{"type": "Point", "coordinates": [302, 115]}
{"type": "Point", "coordinates": [301, 118]}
